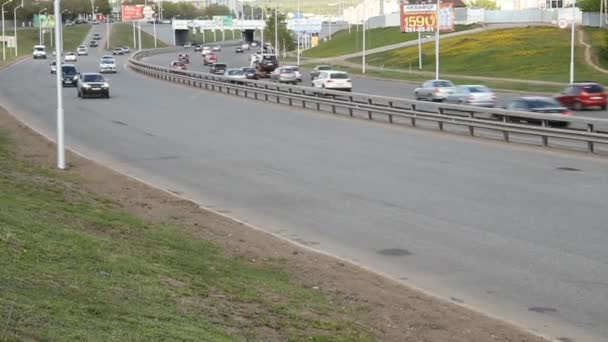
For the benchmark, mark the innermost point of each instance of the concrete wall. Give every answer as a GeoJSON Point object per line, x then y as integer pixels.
{"type": "Point", "coordinates": [593, 19]}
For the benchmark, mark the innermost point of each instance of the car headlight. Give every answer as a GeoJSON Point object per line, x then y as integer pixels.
{"type": "Point", "coordinates": [105, 85]}
{"type": "Point", "coordinates": [86, 86]}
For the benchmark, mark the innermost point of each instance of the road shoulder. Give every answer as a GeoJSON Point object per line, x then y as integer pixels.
{"type": "Point", "coordinates": [386, 309]}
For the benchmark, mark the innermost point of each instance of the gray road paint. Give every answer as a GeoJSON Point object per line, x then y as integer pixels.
{"type": "Point", "coordinates": [497, 226]}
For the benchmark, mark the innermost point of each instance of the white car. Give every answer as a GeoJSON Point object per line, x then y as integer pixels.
{"type": "Point", "coordinates": [39, 52]}
{"type": "Point", "coordinates": [188, 45]}
{"type": "Point", "coordinates": [245, 46]}
{"type": "Point", "coordinates": [70, 57]}
{"type": "Point", "coordinates": [53, 67]}
{"type": "Point", "coordinates": [82, 51]}
{"type": "Point", "coordinates": [206, 50]}
{"type": "Point", "coordinates": [107, 64]}
{"type": "Point", "coordinates": [333, 80]}
{"type": "Point", "coordinates": [217, 48]}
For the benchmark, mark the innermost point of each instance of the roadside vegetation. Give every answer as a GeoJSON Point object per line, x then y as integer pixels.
{"type": "Point", "coordinates": [530, 53]}
{"type": "Point", "coordinates": [343, 42]}
{"type": "Point", "coordinates": [27, 38]}
{"type": "Point", "coordinates": [75, 266]}
{"type": "Point", "coordinates": [122, 35]}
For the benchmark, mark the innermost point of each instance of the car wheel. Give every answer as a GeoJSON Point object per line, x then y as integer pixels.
{"type": "Point", "coordinates": [578, 106]}
{"type": "Point", "coordinates": [603, 107]}
{"type": "Point", "coordinates": [107, 95]}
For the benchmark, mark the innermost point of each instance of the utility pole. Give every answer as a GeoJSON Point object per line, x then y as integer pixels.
{"type": "Point", "coordinates": [276, 30]}
{"type": "Point", "coordinates": [364, 29]}
{"type": "Point", "coordinates": [437, 41]}
{"type": "Point", "coordinates": [58, 81]}
{"type": "Point", "coordinates": [3, 36]}
{"type": "Point", "coordinates": [15, 23]}
{"type": "Point", "coordinates": [572, 43]}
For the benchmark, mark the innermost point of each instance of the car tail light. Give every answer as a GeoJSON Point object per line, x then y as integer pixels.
{"type": "Point", "coordinates": [565, 112]}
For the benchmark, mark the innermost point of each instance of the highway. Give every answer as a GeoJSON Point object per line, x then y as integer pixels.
{"type": "Point", "coordinates": [514, 231]}
{"type": "Point", "coordinates": [360, 84]}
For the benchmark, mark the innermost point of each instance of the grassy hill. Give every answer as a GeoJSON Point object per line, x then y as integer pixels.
{"type": "Point", "coordinates": [597, 37]}
{"type": "Point", "coordinates": [122, 35]}
{"type": "Point", "coordinates": [343, 42]}
{"type": "Point", "coordinates": [539, 53]}
{"type": "Point", "coordinates": [27, 38]}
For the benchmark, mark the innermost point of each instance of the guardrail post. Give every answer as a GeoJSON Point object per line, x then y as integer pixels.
{"type": "Point", "coordinates": [350, 108]}
{"type": "Point", "coordinates": [290, 99]}
{"type": "Point", "coordinates": [590, 146]}
{"type": "Point", "coordinates": [318, 106]}
{"type": "Point", "coordinates": [266, 93]}
{"type": "Point", "coordinates": [413, 120]}
{"type": "Point", "coordinates": [439, 122]}
{"type": "Point", "coordinates": [505, 133]}
{"type": "Point", "coordinates": [390, 116]}
{"type": "Point", "coordinates": [471, 128]}
{"type": "Point", "coordinates": [545, 138]}
{"type": "Point", "coordinates": [369, 112]}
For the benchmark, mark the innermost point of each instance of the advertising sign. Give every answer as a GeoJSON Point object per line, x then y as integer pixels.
{"type": "Point", "coordinates": [132, 12]}
{"type": "Point", "coordinates": [423, 18]}
{"type": "Point", "coordinates": [44, 20]}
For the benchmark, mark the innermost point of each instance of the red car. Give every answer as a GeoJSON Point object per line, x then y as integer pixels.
{"type": "Point", "coordinates": [209, 58]}
{"type": "Point", "coordinates": [581, 95]}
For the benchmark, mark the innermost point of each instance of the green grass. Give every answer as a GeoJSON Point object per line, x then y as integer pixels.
{"type": "Point", "coordinates": [122, 35]}
{"type": "Point", "coordinates": [27, 38]}
{"type": "Point", "coordinates": [535, 53]}
{"type": "Point", "coordinates": [75, 266]}
{"type": "Point", "coordinates": [597, 37]}
{"type": "Point", "coordinates": [343, 42]}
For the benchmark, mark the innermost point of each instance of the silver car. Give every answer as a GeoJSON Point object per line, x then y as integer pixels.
{"type": "Point", "coordinates": [107, 64]}
{"type": "Point", "coordinates": [434, 90]}
{"type": "Point", "coordinates": [284, 75]}
{"type": "Point", "coordinates": [474, 95]}
{"type": "Point", "coordinates": [235, 75]}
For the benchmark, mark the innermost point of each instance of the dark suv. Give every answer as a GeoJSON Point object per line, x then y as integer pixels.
{"type": "Point", "coordinates": [69, 75]}
{"type": "Point", "coordinates": [581, 95]}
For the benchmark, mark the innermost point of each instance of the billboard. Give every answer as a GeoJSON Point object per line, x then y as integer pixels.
{"type": "Point", "coordinates": [305, 25]}
{"type": "Point", "coordinates": [423, 18]}
{"type": "Point", "coordinates": [44, 21]}
{"type": "Point", "coordinates": [132, 12]}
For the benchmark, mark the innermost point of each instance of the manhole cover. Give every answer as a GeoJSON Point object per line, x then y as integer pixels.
{"type": "Point", "coordinates": [570, 169]}
{"type": "Point", "coordinates": [395, 252]}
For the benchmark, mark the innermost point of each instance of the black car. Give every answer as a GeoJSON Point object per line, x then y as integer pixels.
{"type": "Point", "coordinates": [198, 47]}
{"type": "Point", "coordinates": [239, 50]}
{"type": "Point", "coordinates": [538, 105]}
{"type": "Point", "coordinates": [97, 36]}
{"type": "Point", "coordinates": [218, 68]}
{"type": "Point", "coordinates": [93, 43]}
{"type": "Point", "coordinates": [250, 73]}
{"type": "Point", "coordinates": [69, 75]}
{"type": "Point", "coordinates": [92, 84]}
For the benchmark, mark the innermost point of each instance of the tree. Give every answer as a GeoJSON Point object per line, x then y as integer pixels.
{"type": "Point", "coordinates": [283, 33]}
{"type": "Point", "coordinates": [487, 4]}
{"type": "Point", "coordinates": [589, 5]}
{"type": "Point", "coordinates": [215, 9]}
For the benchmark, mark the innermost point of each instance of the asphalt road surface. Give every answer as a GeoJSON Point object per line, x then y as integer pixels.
{"type": "Point", "coordinates": [360, 84]}
{"type": "Point", "coordinates": [515, 231]}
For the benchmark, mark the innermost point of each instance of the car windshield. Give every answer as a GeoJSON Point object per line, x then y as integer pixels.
{"type": "Point", "coordinates": [68, 70]}
{"type": "Point", "coordinates": [441, 84]}
{"type": "Point", "coordinates": [269, 58]}
{"type": "Point", "coordinates": [324, 67]}
{"type": "Point", "coordinates": [287, 71]}
{"type": "Point", "coordinates": [339, 76]}
{"type": "Point", "coordinates": [235, 72]}
{"type": "Point", "coordinates": [542, 103]}
{"type": "Point", "coordinates": [479, 89]}
{"type": "Point", "coordinates": [93, 78]}
{"type": "Point", "coordinates": [593, 88]}
{"type": "Point", "coordinates": [39, 49]}
{"type": "Point", "coordinates": [220, 66]}
{"type": "Point", "coordinates": [107, 61]}
{"type": "Point", "coordinates": [249, 70]}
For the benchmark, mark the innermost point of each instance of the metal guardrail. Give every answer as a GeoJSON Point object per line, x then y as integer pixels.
{"type": "Point", "coordinates": [392, 110]}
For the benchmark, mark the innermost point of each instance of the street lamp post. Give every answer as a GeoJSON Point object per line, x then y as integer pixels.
{"type": "Point", "coordinates": [276, 30]}
{"type": "Point", "coordinates": [3, 36]}
{"type": "Point", "coordinates": [364, 29]}
{"type": "Point", "coordinates": [93, 10]}
{"type": "Point", "coordinates": [58, 80]}
{"type": "Point", "coordinates": [15, 23]}
{"type": "Point", "coordinates": [437, 41]}
{"type": "Point", "coordinates": [60, 38]}
{"type": "Point", "coordinates": [572, 44]}
{"type": "Point", "coordinates": [40, 25]}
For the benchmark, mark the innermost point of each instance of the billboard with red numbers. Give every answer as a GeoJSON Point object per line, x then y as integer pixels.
{"type": "Point", "coordinates": [132, 12]}
{"type": "Point", "coordinates": [423, 17]}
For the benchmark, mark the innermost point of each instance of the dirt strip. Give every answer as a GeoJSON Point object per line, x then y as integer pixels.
{"type": "Point", "coordinates": [391, 311]}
